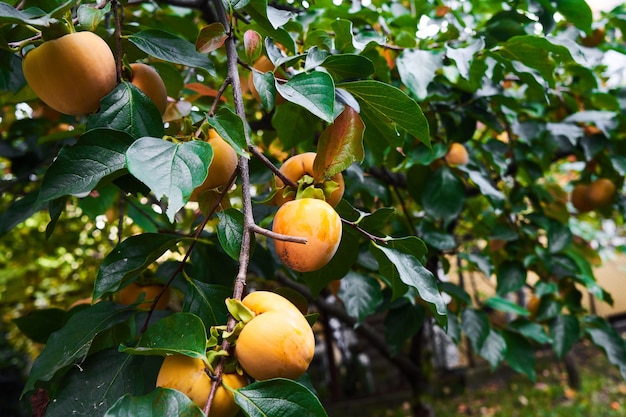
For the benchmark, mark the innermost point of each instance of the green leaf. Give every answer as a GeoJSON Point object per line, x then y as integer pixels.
{"type": "Point", "coordinates": [530, 330]}
{"type": "Point", "coordinates": [207, 302]}
{"type": "Point", "coordinates": [605, 336]}
{"type": "Point", "coordinates": [577, 12]}
{"type": "Point", "coordinates": [170, 48]}
{"type": "Point", "coordinates": [90, 16]}
{"type": "Point", "coordinates": [230, 127]}
{"type": "Point", "coordinates": [340, 145]}
{"type": "Point", "coordinates": [129, 110]}
{"type": "Point", "coordinates": [258, 11]}
{"type": "Point", "coordinates": [387, 104]}
{"type": "Point", "coordinates": [348, 66]}
{"type": "Point", "coordinates": [10, 15]}
{"type": "Point", "coordinates": [340, 264]}
{"type": "Point", "coordinates": [429, 62]}
{"type": "Point", "coordinates": [559, 236]}
{"type": "Point", "coordinates": [506, 306]}
{"type": "Point", "coordinates": [19, 211]}
{"type": "Point", "coordinates": [278, 397]}
{"type": "Point", "coordinates": [402, 323]}
{"type": "Point", "coordinates": [11, 74]}
{"type": "Point", "coordinates": [180, 333]}
{"type": "Point", "coordinates": [493, 349]}
{"type": "Point", "coordinates": [170, 170]}
{"type": "Point", "coordinates": [412, 273]}
{"type": "Point", "coordinates": [476, 326]}
{"type": "Point", "coordinates": [361, 295]}
{"type": "Point", "coordinates": [78, 169]}
{"type": "Point", "coordinates": [230, 231]}
{"type": "Point", "coordinates": [160, 402]}
{"type": "Point", "coordinates": [511, 276]}
{"type": "Point", "coordinates": [94, 385]}
{"type": "Point", "coordinates": [344, 39]}
{"type": "Point", "coordinates": [39, 324]}
{"type": "Point", "coordinates": [565, 330]}
{"type": "Point", "coordinates": [314, 91]}
{"type": "Point", "coordinates": [463, 57]}
{"type": "Point", "coordinates": [129, 258]}
{"type": "Point", "coordinates": [71, 343]}
{"type": "Point", "coordinates": [455, 291]}
{"type": "Point", "coordinates": [444, 195]}
{"type": "Point", "coordinates": [520, 354]}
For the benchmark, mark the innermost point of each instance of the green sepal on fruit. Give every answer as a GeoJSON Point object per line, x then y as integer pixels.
{"type": "Point", "coordinates": [239, 311]}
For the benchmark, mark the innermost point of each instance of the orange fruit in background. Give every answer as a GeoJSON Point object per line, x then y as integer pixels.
{"type": "Point", "coordinates": [457, 155]}
{"type": "Point", "coordinates": [297, 167]}
{"type": "Point", "coordinates": [579, 199]}
{"type": "Point", "coordinates": [188, 375]}
{"type": "Point", "coordinates": [313, 219]}
{"type": "Point", "coordinates": [148, 80]}
{"type": "Point", "coordinates": [278, 342]}
{"type": "Point", "coordinates": [132, 292]}
{"type": "Point", "coordinates": [222, 166]}
{"type": "Point", "coordinates": [601, 192]}
{"type": "Point", "coordinates": [71, 74]}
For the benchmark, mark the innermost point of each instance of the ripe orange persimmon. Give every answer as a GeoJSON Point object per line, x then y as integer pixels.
{"type": "Point", "coordinates": [149, 81]}
{"type": "Point", "coordinates": [457, 155]}
{"type": "Point", "coordinates": [313, 219]}
{"type": "Point", "coordinates": [222, 166]}
{"type": "Point", "coordinates": [71, 73]}
{"type": "Point", "coordinates": [579, 198]}
{"type": "Point", "coordinates": [297, 167]}
{"type": "Point", "coordinates": [601, 192]}
{"type": "Point", "coordinates": [278, 342]}
{"type": "Point", "coordinates": [131, 293]}
{"type": "Point", "coordinates": [188, 375]}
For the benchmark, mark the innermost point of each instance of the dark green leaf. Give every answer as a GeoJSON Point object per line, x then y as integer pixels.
{"type": "Point", "coordinates": [411, 245]}
{"type": "Point", "coordinates": [90, 16]}
{"type": "Point", "coordinates": [230, 127]}
{"type": "Point", "coordinates": [344, 40]}
{"type": "Point", "coordinates": [180, 333]}
{"type": "Point", "coordinates": [520, 354]}
{"type": "Point", "coordinates": [565, 330]}
{"type": "Point", "coordinates": [129, 258]}
{"type": "Point", "coordinates": [207, 302]}
{"type": "Point", "coordinates": [9, 14]}
{"type": "Point", "coordinates": [605, 336]}
{"type": "Point", "coordinates": [160, 402]}
{"type": "Point", "coordinates": [530, 330]}
{"type": "Point", "coordinates": [361, 295]}
{"type": "Point", "coordinates": [78, 169]}
{"type": "Point", "coordinates": [39, 324]}
{"type": "Point", "coordinates": [94, 385]}
{"type": "Point", "coordinates": [313, 91]}
{"type": "Point", "coordinates": [71, 343]}
{"type": "Point", "coordinates": [19, 211]}
{"type": "Point", "coordinates": [389, 105]}
{"type": "Point", "coordinates": [559, 236]}
{"type": "Point", "coordinates": [11, 75]}
{"type": "Point", "coordinates": [455, 291]}
{"type": "Point", "coordinates": [511, 276]}
{"type": "Point", "coordinates": [414, 274]}
{"type": "Point", "coordinates": [493, 348]}
{"type": "Point", "coordinates": [348, 67]}
{"type": "Point", "coordinates": [475, 325]}
{"type": "Point", "coordinates": [278, 398]}
{"type": "Point", "coordinates": [577, 12]}
{"type": "Point", "coordinates": [444, 195]}
{"type": "Point", "coordinates": [170, 48]}
{"type": "Point", "coordinates": [129, 110]}
{"type": "Point", "coordinates": [506, 306]}
{"type": "Point", "coordinates": [230, 231]}
{"type": "Point", "coordinates": [401, 324]}
{"type": "Point", "coordinates": [171, 170]}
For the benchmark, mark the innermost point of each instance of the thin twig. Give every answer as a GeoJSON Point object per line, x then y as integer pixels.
{"type": "Point", "coordinates": [118, 15]}
{"type": "Point", "coordinates": [364, 232]}
{"type": "Point", "coordinates": [279, 236]}
{"type": "Point", "coordinates": [287, 181]}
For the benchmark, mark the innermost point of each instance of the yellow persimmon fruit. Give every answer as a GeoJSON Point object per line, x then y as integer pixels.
{"type": "Point", "coordinates": [71, 73]}
{"type": "Point", "coordinates": [148, 80]}
{"type": "Point", "coordinates": [278, 342]}
{"type": "Point", "coordinates": [297, 167]}
{"type": "Point", "coordinates": [188, 375]}
{"type": "Point", "coordinates": [457, 155]}
{"type": "Point", "coordinates": [313, 219]}
{"type": "Point", "coordinates": [132, 292]}
{"type": "Point", "coordinates": [222, 166]}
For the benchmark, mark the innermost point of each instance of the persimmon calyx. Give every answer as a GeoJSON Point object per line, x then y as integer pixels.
{"type": "Point", "coordinates": [239, 311]}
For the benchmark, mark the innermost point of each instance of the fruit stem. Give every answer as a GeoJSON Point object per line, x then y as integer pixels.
{"type": "Point", "coordinates": [279, 236]}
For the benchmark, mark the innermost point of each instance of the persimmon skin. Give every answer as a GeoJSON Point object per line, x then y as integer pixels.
{"type": "Point", "coordinates": [150, 83]}
{"type": "Point", "coordinates": [457, 155]}
{"type": "Point", "coordinates": [131, 293]}
{"type": "Point", "coordinates": [601, 192]}
{"type": "Point", "coordinates": [295, 168]}
{"type": "Point", "coordinates": [278, 342]}
{"type": "Point", "coordinates": [222, 166]}
{"type": "Point", "coordinates": [71, 74]}
{"type": "Point", "coordinates": [579, 199]}
{"type": "Point", "coordinates": [313, 219]}
{"type": "Point", "coordinates": [188, 376]}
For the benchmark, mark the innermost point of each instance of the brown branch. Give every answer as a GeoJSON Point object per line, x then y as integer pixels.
{"type": "Point", "coordinates": [118, 15]}
{"type": "Point", "coordinates": [287, 181]}
{"type": "Point", "coordinates": [364, 232]}
{"type": "Point", "coordinates": [278, 236]}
